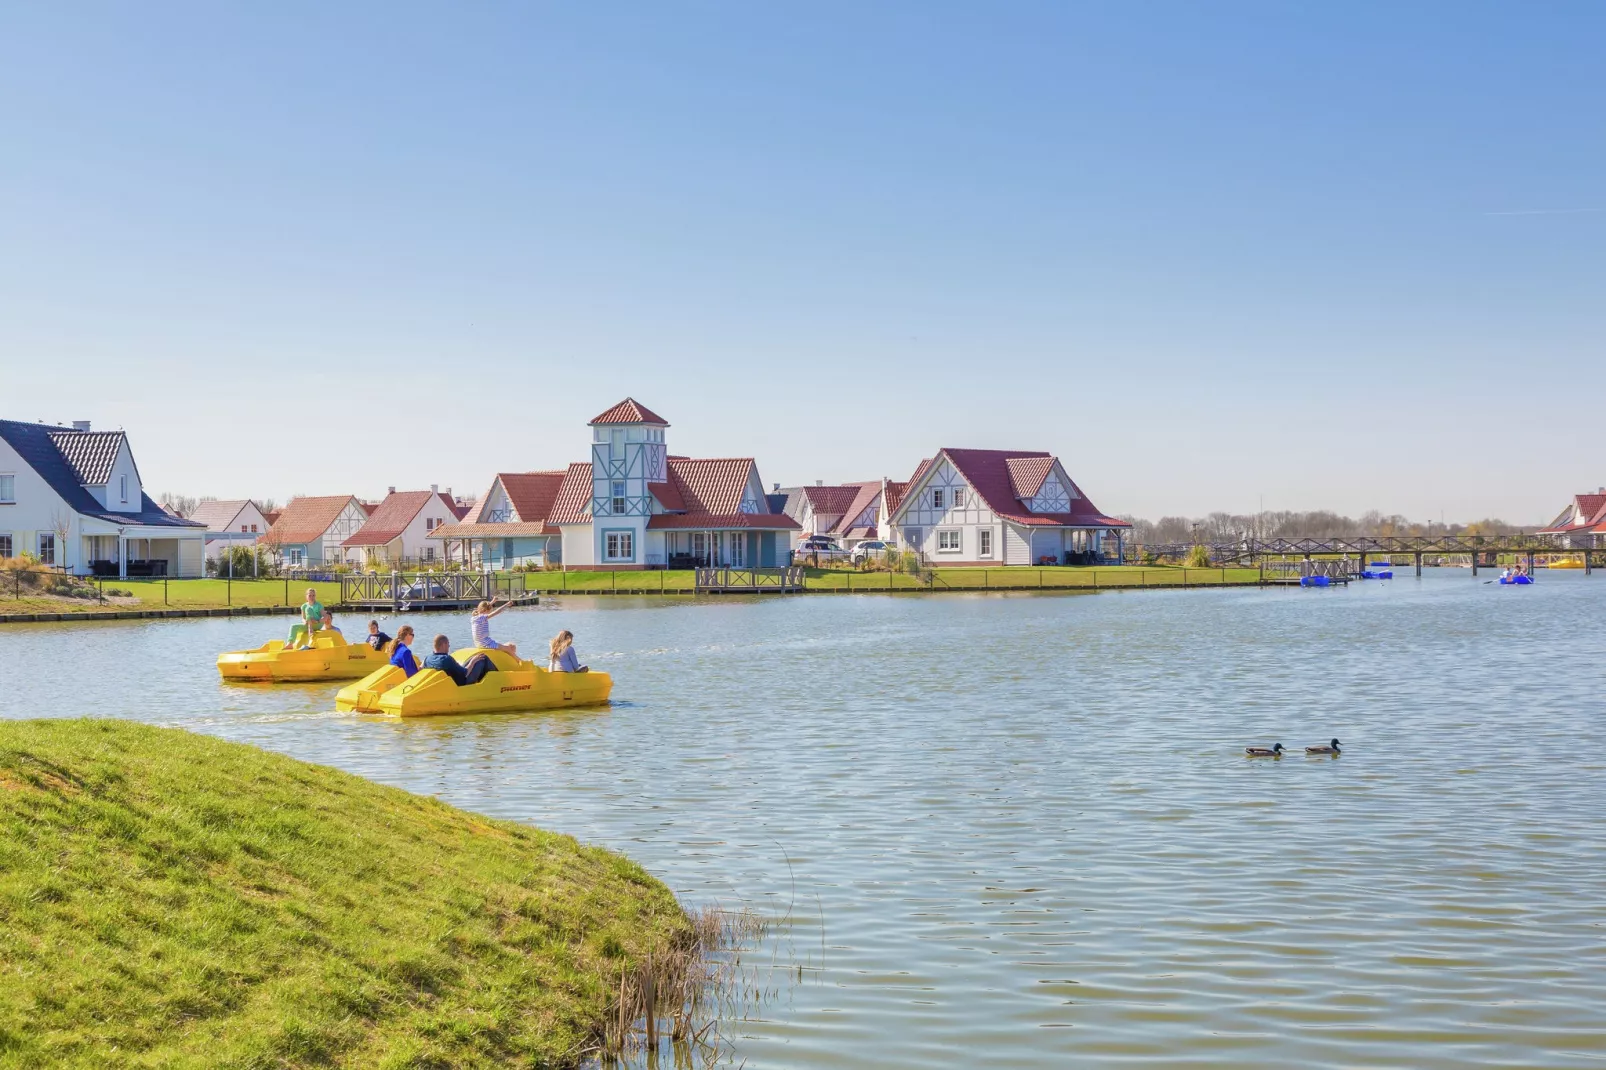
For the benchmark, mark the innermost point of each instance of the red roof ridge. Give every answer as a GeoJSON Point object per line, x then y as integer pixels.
{"type": "Point", "coordinates": [628, 411]}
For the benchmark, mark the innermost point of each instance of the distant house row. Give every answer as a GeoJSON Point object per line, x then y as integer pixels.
{"type": "Point", "coordinates": [73, 497]}
{"type": "Point", "coordinates": [1581, 525]}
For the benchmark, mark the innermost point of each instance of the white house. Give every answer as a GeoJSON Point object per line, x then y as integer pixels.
{"type": "Point", "coordinates": [634, 506]}
{"type": "Point", "coordinates": [73, 497]}
{"type": "Point", "coordinates": [313, 530]}
{"type": "Point", "coordinates": [238, 522]}
{"type": "Point", "coordinates": [847, 512]}
{"type": "Point", "coordinates": [399, 528]}
{"type": "Point", "coordinates": [1581, 524]}
{"type": "Point", "coordinates": [992, 507]}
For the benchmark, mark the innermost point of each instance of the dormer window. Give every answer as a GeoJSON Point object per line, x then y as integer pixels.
{"type": "Point", "coordinates": [122, 486]}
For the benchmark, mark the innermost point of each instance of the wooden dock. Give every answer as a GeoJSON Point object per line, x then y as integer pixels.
{"type": "Point", "coordinates": [400, 592]}
{"type": "Point", "coordinates": [749, 580]}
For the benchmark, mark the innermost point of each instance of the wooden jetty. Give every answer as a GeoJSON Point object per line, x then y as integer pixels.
{"type": "Point", "coordinates": [399, 591]}
{"type": "Point", "coordinates": [1483, 550]}
{"type": "Point", "coordinates": [749, 580]}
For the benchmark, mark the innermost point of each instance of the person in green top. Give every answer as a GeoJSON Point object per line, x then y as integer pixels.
{"type": "Point", "coordinates": [311, 620]}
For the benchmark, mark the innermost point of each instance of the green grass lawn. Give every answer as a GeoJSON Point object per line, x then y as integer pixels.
{"type": "Point", "coordinates": [172, 900]}
{"type": "Point", "coordinates": [1048, 578]}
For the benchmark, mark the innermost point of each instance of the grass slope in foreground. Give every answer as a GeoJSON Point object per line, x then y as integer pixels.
{"type": "Point", "coordinates": [169, 899]}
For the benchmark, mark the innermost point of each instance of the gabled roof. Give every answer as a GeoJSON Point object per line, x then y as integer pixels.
{"type": "Point", "coordinates": [1586, 510]}
{"type": "Point", "coordinates": [1026, 474]}
{"type": "Point", "coordinates": [391, 516]}
{"type": "Point", "coordinates": [629, 411]}
{"type": "Point", "coordinates": [831, 501]}
{"type": "Point", "coordinates": [866, 496]}
{"type": "Point", "coordinates": [574, 496]}
{"type": "Point", "coordinates": [91, 453]}
{"type": "Point", "coordinates": [273, 517]}
{"type": "Point", "coordinates": [532, 495]}
{"type": "Point", "coordinates": [990, 474]}
{"type": "Point", "coordinates": [36, 445]}
{"type": "Point", "coordinates": [715, 486]}
{"type": "Point", "coordinates": [219, 515]}
{"type": "Point", "coordinates": [306, 519]}
{"type": "Point", "coordinates": [700, 492]}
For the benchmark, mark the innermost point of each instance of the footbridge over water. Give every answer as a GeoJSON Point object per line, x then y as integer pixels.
{"type": "Point", "coordinates": [1482, 549]}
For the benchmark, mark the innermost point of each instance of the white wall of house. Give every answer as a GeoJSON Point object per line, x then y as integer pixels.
{"type": "Point", "coordinates": [35, 510]}
{"type": "Point", "coordinates": [578, 548]}
{"type": "Point", "coordinates": [944, 502]}
{"type": "Point", "coordinates": [415, 541]}
{"type": "Point", "coordinates": [1017, 547]}
{"type": "Point", "coordinates": [347, 524]}
{"type": "Point", "coordinates": [243, 529]}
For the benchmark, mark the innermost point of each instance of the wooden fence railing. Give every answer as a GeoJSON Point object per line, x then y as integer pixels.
{"type": "Point", "coordinates": [750, 579]}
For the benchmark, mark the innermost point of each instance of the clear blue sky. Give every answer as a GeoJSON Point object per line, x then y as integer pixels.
{"type": "Point", "coordinates": [1344, 256]}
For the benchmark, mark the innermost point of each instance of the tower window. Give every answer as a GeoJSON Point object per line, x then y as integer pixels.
{"type": "Point", "coordinates": [619, 506]}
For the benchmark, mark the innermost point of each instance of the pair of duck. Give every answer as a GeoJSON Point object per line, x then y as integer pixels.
{"type": "Point", "coordinates": [1276, 751]}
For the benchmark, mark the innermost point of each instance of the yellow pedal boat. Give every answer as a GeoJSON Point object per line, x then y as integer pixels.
{"type": "Point", "coordinates": [329, 657]}
{"type": "Point", "coordinates": [515, 685]}
{"type": "Point", "coordinates": [1567, 562]}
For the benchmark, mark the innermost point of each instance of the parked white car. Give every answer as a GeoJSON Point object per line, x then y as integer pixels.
{"type": "Point", "coordinates": [870, 549]}
{"type": "Point", "coordinates": [818, 547]}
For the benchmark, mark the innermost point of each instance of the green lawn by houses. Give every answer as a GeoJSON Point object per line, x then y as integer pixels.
{"type": "Point", "coordinates": [217, 594]}
{"type": "Point", "coordinates": [173, 900]}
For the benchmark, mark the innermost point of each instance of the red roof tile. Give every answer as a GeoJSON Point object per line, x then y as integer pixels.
{"type": "Point", "coordinates": [390, 517]}
{"type": "Point", "coordinates": [630, 411]}
{"type": "Point", "coordinates": [304, 520]}
{"type": "Point", "coordinates": [1590, 509]}
{"type": "Point", "coordinates": [989, 474]}
{"type": "Point", "coordinates": [573, 505]}
{"type": "Point", "coordinates": [1026, 474]}
{"type": "Point", "coordinates": [831, 501]}
{"type": "Point", "coordinates": [668, 495]}
{"type": "Point", "coordinates": [533, 496]}
{"type": "Point", "coordinates": [714, 486]}
{"type": "Point", "coordinates": [865, 495]}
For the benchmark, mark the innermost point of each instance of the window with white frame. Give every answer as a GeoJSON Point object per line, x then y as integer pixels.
{"type": "Point", "coordinates": [936, 498]}
{"type": "Point", "coordinates": [122, 486]}
{"type": "Point", "coordinates": [8, 488]}
{"type": "Point", "coordinates": [5, 545]}
{"type": "Point", "coordinates": [297, 556]}
{"type": "Point", "coordinates": [948, 541]}
{"type": "Point", "coordinates": [619, 505]}
{"type": "Point", "coordinates": [984, 542]}
{"type": "Point", "coordinates": [620, 546]}
{"type": "Point", "coordinates": [959, 497]}
{"type": "Point", "coordinates": [47, 548]}
{"type": "Point", "coordinates": [429, 553]}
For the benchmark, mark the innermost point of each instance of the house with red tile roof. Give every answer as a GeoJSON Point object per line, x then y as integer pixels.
{"type": "Point", "coordinates": [847, 512]}
{"type": "Point", "coordinates": [634, 505]}
{"type": "Point", "coordinates": [398, 529]}
{"type": "Point", "coordinates": [313, 530]}
{"type": "Point", "coordinates": [998, 507]}
{"type": "Point", "coordinates": [1580, 526]}
{"type": "Point", "coordinates": [510, 524]}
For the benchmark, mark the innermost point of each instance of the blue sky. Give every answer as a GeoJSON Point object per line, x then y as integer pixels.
{"type": "Point", "coordinates": [1346, 256]}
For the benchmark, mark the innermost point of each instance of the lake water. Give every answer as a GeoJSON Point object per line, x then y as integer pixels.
{"type": "Point", "coordinates": [1019, 831]}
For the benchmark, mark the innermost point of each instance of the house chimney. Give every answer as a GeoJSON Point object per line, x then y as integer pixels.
{"type": "Point", "coordinates": [392, 490]}
{"type": "Point", "coordinates": [819, 482]}
{"type": "Point", "coordinates": [80, 425]}
{"type": "Point", "coordinates": [777, 489]}
{"type": "Point", "coordinates": [434, 488]}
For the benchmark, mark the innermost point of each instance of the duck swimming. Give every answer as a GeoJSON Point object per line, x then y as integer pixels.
{"type": "Point", "coordinates": [1274, 751]}
{"type": "Point", "coordinates": [1331, 748]}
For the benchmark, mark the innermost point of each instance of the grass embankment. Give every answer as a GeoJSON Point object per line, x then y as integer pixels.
{"type": "Point", "coordinates": [172, 900]}
{"type": "Point", "coordinates": [219, 594]}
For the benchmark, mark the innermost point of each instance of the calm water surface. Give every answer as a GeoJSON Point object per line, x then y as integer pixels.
{"type": "Point", "coordinates": [1018, 831]}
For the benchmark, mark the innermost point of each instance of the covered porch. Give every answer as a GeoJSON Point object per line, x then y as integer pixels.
{"type": "Point", "coordinates": [500, 546]}
{"type": "Point", "coordinates": [717, 548]}
{"type": "Point", "coordinates": [135, 552]}
{"type": "Point", "coordinates": [1082, 545]}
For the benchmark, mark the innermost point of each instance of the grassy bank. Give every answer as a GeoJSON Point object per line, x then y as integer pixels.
{"type": "Point", "coordinates": [172, 900]}
{"type": "Point", "coordinates": [219, 594]}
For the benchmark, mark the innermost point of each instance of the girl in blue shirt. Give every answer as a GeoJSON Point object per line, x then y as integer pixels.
{"type": "Point", "coordinates": [400, 655]}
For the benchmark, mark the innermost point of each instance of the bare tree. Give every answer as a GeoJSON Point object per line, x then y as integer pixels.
{"type": "Point", "coordinates": [180, 504]}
